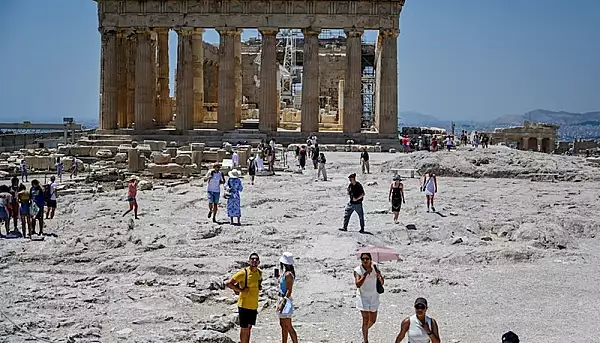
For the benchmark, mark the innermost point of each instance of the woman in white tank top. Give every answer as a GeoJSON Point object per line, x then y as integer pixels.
{"type": "Point", "coordinates": [419, 328]}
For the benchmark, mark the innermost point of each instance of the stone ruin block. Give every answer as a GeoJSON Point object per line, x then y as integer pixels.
{"type": "Point", "coordinates": [68, 164]}
{"type": "Point", "coordinates": [40, 162]}
{"type": "Point", "coordinates": [171, 151]}
{"type": "Point", "coordinates": [197, 146]}
{"type": "Point", "coordinates": [75, 150]}
{"type": "Point", "coordinates": [156, 145]}
{"type": "Point", "coordinates": [340, 148]}
{"type": "Point", "coordinates": [377, 148]}
{"type": "Point", "coordinates": [348, 148]}
{"type": "Point", "coordinates": [370, 148]}
{"type": "Point", "coordinates": [392, 151]}
{"type": "Point", "coordinates": [104, 153]}
{"type": "Point", "coordinates": [9, 167]}
{"type": "Point", "coordinates": [210, 156]}
{"type": "Point", "coordinates": [183, 159]}
{"type": "Point", "coordinates": [221, 154]}
{"type": "Point", "coordinates": [4, 156]}
{"type": "Point", "coordinates": [227, 147]}
{"type": "Point", "coordinates": [94, 150]}
{"type": "Point", "coordinates": [355, 148]}
{"type": "Point", "coordinates": [171, 168]}
{"type": "Point", "coordinates": [197, 157]}
{"type": "Point", "coordinates": [160, 158]}
{"type": "Point", "coordinates": [121, 157]}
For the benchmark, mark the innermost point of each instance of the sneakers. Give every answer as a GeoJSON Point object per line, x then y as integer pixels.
{"type": "Point", "coordinates": [343, 229]}
{"type": "Point", "coordinates": [433, 209]}
{"type": "Point", "coordinates": [209, 214]}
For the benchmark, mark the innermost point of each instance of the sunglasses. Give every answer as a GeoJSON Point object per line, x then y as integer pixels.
{"type": "Point", "coordinates": [420, 307]}
{"type": "Point", "coordinates": [365, 259]}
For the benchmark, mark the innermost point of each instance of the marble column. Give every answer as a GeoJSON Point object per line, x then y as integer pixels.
{"type": "Point", "coordinates": [109, 60]}
{"type": "Point", "coordinates": [353, 82]}
{"type": "Point", "coordinates": [340, 112]}
{"type": "Point", "coordinates": [310, 82]}
{"type": "Point", "coordinates": [185, 80]}
{"type": "Point", "coordinates": [145, 82]}
{"type": "Point", "coordinates": [388, 85]}
{"type": "Point", "coordinates": [267, 119]}
{"type": "Point", "coordinates": [164, 114]}
{"type": "Point", "coordinates": [198, 72]}
{"type": "Point", "coordinates": [226, 106]}
{"type": "Point", "coordinates": [122, 45]}
{"type": "Point", "coordinates": [131, 56]}
{"type": "Point", "coordinates": [237, 41]}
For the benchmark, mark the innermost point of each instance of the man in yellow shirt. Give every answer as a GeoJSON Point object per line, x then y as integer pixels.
{"type": "Point", "coordinates": [247, 283]}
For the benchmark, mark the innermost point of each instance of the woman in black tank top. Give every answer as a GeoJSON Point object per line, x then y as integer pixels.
{"type": "Point", "coordinates": [396, 196]}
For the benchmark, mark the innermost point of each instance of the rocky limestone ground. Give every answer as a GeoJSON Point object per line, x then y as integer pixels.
{"type": "Point", "coordinates": [501, 254]}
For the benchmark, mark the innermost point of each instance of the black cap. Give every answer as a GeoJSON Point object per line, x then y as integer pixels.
{"type": "Point", "coordinates": [510, 337]}
{"type": "Point", "coordinates": [421, 301]}
{"type": "Point", "coordinates": [352, 176]}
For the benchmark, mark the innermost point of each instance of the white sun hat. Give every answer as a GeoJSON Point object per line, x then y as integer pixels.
{"type": "Point", "coordinates": [287, 258]}
{"type": "Point", "coordinates": [235, 174]}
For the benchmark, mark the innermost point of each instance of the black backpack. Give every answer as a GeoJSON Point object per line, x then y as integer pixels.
{"type": "Point", "coordinates": [47, 193]}
{"type": "Point", "coordinates": [246, 280]}
{"type": "Point", "coordinates": [252, 166]}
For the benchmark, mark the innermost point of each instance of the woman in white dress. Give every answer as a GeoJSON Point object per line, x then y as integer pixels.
{"type": "Point", "coordinates": [367, 298]}
{"type": "Point", "coordinates": [430, 188]}
{"type": "Point", "coordinates": [260, 166]}
{"type": "Point", "coordinates": [420, 328]}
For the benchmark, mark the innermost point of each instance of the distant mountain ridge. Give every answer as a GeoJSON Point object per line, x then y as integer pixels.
{"type": "Point", "coordinates": [572, 125]}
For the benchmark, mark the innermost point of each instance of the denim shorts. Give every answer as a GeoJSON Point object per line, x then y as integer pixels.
{"type": "Point", "coordinates": [213, 197]}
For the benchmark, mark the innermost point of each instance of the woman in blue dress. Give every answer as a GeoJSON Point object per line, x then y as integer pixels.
{"type": "Point", "coordinates": [234, 187]}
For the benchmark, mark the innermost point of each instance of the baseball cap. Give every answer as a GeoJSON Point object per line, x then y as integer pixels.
{"type": "Point", "coordinates": [510, 337]}
{"type": "Point", "coordinates": [421, 301]}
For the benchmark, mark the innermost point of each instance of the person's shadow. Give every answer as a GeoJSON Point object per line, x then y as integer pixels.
{"type": "Point", "coordinates": [366, 233]}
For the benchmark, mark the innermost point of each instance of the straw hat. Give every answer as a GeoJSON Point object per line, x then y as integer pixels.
{"type": "Point", "coordinates": [234, 174]}
{"type": "Point", "coordinates": [133, 178]}
{"type": "Point", "coordinates": [287, 258]}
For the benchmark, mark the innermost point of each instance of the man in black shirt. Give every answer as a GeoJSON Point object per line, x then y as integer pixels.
{"type": "Point", "coordinates": [356, 194]}
{"type": "Point", "coordinates": [364, 161]}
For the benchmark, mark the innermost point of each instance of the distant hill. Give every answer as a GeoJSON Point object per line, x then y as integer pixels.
{"type": "Point", "coordinates": [551, 117]}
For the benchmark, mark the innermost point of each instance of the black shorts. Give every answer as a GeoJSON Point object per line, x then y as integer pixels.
{"type": "Point", "coordinates": [247, 317]}
{"type": "Point", "coordinates": [51, 203]}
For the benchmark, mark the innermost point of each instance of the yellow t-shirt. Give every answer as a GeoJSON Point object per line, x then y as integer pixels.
{"type": "Point", "coordinates": [248, 299]}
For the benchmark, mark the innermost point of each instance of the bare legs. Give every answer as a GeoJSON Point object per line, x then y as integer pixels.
{"type": "Point", "coordinates": [430, 203]}
{"type": "Point", "coordinates": [396, 214]}
{"type": "Point", "coordinates": [133, 206]}
{"type": "Point", "coordinates": [245, 334]}
{"type": "Point", "coordinates": [287, 329]}
{"type": "Point", "coordinates": [368, 320]}
{"type": "Point", "coordinates": [212, 211]}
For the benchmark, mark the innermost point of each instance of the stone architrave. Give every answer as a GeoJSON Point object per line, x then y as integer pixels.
{"type": "Point", "coordinates": [185, 80]}
{"type": "Point", "coordinates": [109, 60]}
{"type": "Point", "coordinates": [310, 82]}
{"type": "Point", "coordinates": [198, 66]}
{"type": "Point", "coordinates": [237, 60]}
{"type": "Point", "coordinates": [122, 46]}
{"type": "Point", "coordinates": [131, 57]}
{"type": "Point", "coordinates": [388, 85]}
{"type": "Point", "coordinates": [268, 114]}
{"type": "Point", "coordinates": [352, 83]}
{"type": "Point", "coordinates": [226, 107]}
{"type": "Point", "coordinates": [145, 85]}
{"type": "Point", "coordinates": [164, 102]}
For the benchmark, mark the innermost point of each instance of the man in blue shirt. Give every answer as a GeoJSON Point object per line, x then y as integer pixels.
{"type": "Point", "coordinates": [37, 195]}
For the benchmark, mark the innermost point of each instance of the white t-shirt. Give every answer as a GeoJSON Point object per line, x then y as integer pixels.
{"type": "Point", "coordinates": [235, 158]}
{"type": "Point", "coordinates": [214, 181]}
{"type": "Point", "coordinates": [369, 287]}
{"type": "Point", "coordinates": [53, 191]}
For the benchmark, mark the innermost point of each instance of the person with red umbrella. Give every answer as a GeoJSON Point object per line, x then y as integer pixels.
{"type": "Point", "coordinates": [369, 283]}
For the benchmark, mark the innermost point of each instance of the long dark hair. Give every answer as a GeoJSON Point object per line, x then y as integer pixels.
{"type": "Point", "coordinates": [288, 268]}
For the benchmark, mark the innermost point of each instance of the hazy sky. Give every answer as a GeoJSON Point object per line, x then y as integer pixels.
{"type": "Point", "coordinates": [462, 59]}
